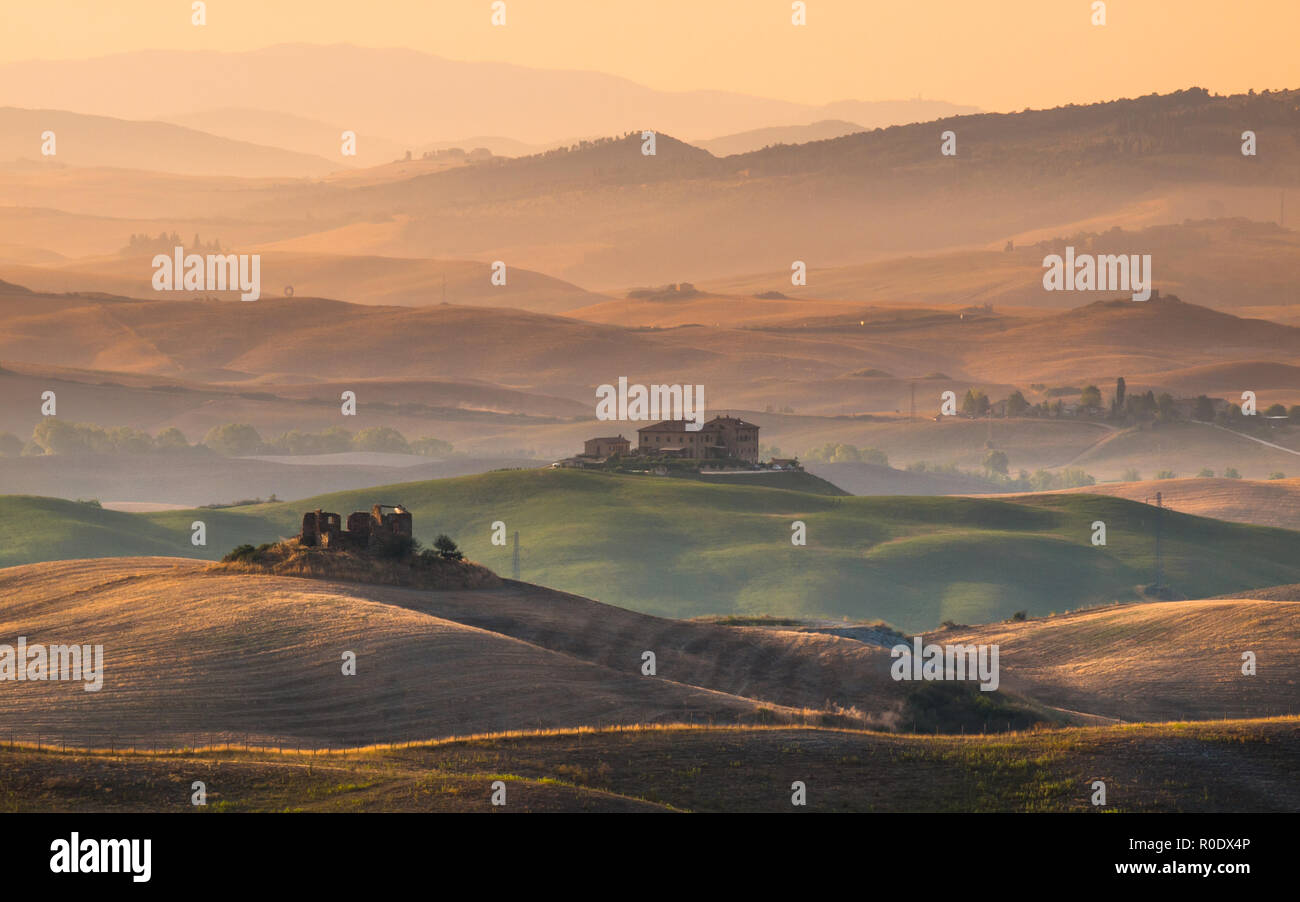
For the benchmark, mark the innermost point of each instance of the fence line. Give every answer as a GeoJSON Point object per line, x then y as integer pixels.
{"type": "Point", "coordinates": [118, 744]}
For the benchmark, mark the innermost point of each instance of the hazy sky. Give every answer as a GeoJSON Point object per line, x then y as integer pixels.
{"type": "Point", "coordinates": [997, 54]}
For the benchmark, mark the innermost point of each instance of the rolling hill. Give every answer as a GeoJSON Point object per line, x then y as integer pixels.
{"type": "Point", "coordinates": [600, 213]}
{"type": "Point", "coordinates": [122, 481]}
{"type": "Point", "coordinates": [101, 141]}
{"type": "Point", "coordinates": [346, 83]}
{"type": "Point", "coordinates": [1272, 502]}
{"type": "Point", "coordinates": [257, 657]}
{"type": "Point", "coordinates": [614, 216]}
{"type": "Point", "coordinates": [500, 382]}
{"type": "Point", "coordinates": [757, 139]}
{"type": "Point", "coordinates": [540, 686]}
{"type": "Point", "coordinates": [1176, 660]}
{"type": "Point", "coordinates": [1197, 767]}
{"type": "Point", "coordinates": [877, 479]}
{"type": "Point", "coordinates": [1185, 448]}
{"type": "Point", "coordinates": [260, 656]}
{"type": "Point", "coordinates": [282, 129]}
{"type": "Point", "coordinates": [683, 548]}
{"type": "Point", "coordinates": [358, 279]}
{"type": "Point", "coordinates": [865, 362]}
{"type": "Point", "coordinates": [1226, 263]}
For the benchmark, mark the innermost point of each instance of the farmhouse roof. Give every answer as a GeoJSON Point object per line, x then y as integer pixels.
{"type": "Point", "coordinates": [665, 426]}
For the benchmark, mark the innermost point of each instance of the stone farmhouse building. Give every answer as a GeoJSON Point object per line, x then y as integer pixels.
{"type": "Point", "coordinates": [606, 447]}
{"type": "Point", "coordinates": [720, 437]}
{"type": "Point", "coordinates": [324, 529]}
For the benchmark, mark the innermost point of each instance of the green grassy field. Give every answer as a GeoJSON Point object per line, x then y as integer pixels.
{"type": "Point", "coordinates": [682, 548]}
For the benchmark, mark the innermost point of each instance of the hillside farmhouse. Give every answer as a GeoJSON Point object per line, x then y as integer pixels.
{"type": "Point", "coordinates": [720, 437]}
{"type": "Point", "coordinates": [606, 447]}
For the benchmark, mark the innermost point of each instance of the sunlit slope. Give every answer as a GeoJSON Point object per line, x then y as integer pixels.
{"type": "Point", "coordinates": [1157, 661]}
{"type": "Point", "coordinates": [193, 656]}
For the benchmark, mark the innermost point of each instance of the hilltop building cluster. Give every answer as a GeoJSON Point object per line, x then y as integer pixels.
{"type": "Point", "coordinates": [721, 440]}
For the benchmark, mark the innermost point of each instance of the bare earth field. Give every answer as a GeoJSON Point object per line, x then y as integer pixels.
{"type": "Point", "coordinates": [1154, 661]}
{"type": "Point", "coordinates": [194, 654]}
{"type": "Point", "coordinates": [262, 658]}
{"type": "Point", "coordinates": [544, 691]}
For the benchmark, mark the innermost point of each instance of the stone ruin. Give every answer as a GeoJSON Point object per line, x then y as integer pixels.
{"type": "Point", "coordinates": [325, 530]}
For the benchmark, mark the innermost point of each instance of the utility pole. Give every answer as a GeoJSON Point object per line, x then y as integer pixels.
{"type": "Point", "coordinates": [1160, 517]}
{"type": "Point", "coordinates": [514, 564]}
{"type": "Point", "coordinates": [912, 416]}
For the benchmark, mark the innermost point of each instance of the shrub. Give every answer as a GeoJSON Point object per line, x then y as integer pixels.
{"type": "Point", "coordinates": [170, 440]}
{"type": "Point", "coordinates": [838, 452]}
{"type": "Point", "coordinates": [381, 438]}
{"type": "Point", "coordinates": [446, 548]}
{"type": "Point", "coordinates": [1069, 478]}
{"type": "Point", "coordinates": [233, 439]}
{"type": "Point", "coordinates": [975, 404]}
{"type": "Point", "coordinates": [950, 705]}
{"type": "Point", "coordinates": [1073, 478]}
{"type": "Point", "coordinates": [431, 447]}
{"type": "Point", "coordinates": [996, 462]}
{"type": "Point", "coordinates": [56, 436]}
{"type": "Point", "coordinates": [247, 554]}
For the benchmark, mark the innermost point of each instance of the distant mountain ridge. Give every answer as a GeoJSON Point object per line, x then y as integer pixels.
{"type": "Point", "coordinates": [387, 92]}
{"type": "Point", "coordinates": [869, 195]}
{"type": "Point", "coordinates": [102, 141]}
